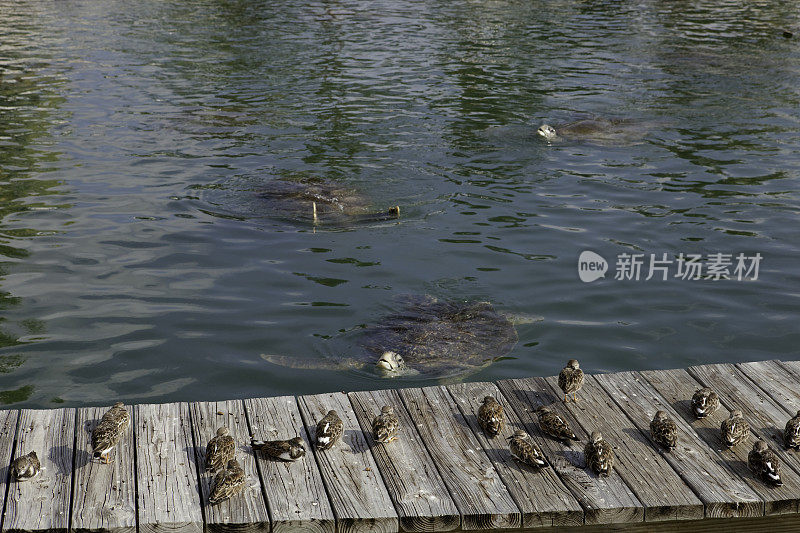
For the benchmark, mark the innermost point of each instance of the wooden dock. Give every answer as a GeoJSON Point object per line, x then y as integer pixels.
{"type": "Point", "coordinates": [442, 474]}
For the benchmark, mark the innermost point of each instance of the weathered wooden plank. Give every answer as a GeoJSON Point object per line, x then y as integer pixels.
{"type": "Point", "coordinates": [247, 510]}
{"type": "Point", "coordinates": [470, 477]}
{"type": "Point", "coordinates": [660, 489]}
{"type": "Point", "coordinates": [773, 524]}
{"type": "Point", "coordinates": [296, 495]}
{"type": "Point", "coordinates": [540, 494]}
{"type": "Point", "coordinates": [104, 495]}
{"type": "Point", "coordinates": [168, 492]}
{"type": "Point", "coordinates": [721, 490]}
{"type": "Point", "coordinates": [358, 495]}
{"type": "Point", "coordinates": [8, 430]}
{"type": "Point", "coordinates": [767, 418]}
{"type": "Point", "coordinates": [780, 380]}
{"type": "Point", "coordinates": [677, 387]}
{"type": "Point", "coordinates": [420, 495]}
{"type": "Point", "coordinates": [605, 500]}
{"type": "Point", "coordinates": [43, 502]}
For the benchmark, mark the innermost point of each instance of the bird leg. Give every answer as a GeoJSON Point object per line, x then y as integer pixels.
{"type": "Point", "coordinates": [575, 397]}
{"type": "Point", "coordinates": [565, 398]}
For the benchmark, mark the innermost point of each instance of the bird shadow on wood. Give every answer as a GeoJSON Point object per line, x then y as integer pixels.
{"type": "Point", "coordinates": [683, 407]}
{"type": "Point", "coordinates": [58, 453]}
{"type": "Point", "coordinates": [356, 441]}
{"type": "Point", "coordinates": [5, 473]}
{"type": "Point", "coordinates": [638, 436]}
{"type": "Point", "coordinates": [710, 436]}
{"type": "Point", "coordinates": [193, 452]}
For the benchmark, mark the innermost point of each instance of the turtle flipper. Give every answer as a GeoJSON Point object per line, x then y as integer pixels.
{"type": "Point", "coordinates": [311, 364]}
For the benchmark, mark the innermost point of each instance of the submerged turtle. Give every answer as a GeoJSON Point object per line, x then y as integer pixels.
{"type": "Point", "coordinates": [437, 338]}
{"type": "Point", "coordinates": [596, 130]}
{"type": "Point", "coordinates": [321, 202]}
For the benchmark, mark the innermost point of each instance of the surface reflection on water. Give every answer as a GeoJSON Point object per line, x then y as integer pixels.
{"type": "Point", "coordinates": [138, 261]}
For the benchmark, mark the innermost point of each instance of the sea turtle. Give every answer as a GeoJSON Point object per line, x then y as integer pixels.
{"type": "Point", "coordinates": [320, 202]}
{"type": "Point", "coordinates": [596, 130]}
{"type": "Point", "coordinates": [437, 338]}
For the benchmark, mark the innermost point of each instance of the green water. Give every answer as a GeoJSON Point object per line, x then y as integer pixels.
{"type": "Point", "coordinates": [138, 262]}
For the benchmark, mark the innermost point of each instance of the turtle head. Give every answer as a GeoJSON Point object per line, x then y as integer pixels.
{"type": "Point", "coordinates": [391, 362]}
{"type": "Point", "coordinates": [547, 131]}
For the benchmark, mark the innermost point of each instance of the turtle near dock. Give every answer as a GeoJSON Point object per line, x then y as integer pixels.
{"type": "Point", "coordinates": [602, 131]}
{"type": "Point", "coordinates": [442, 339]}
{"type": "Point", "coordinates": [320, 202]}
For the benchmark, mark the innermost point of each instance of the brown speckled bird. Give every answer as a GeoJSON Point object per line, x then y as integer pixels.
{"type": "Point", "coordinates": [329, 429]}
{"type": "Point", "coordinates": [108, 432]}
{"type": "Point", "coordinates": [386, 425]}
{"type": "Point", "coordinates": [26, 467]}
{"type": "Point", "coordinates": [735, 429]}
{"type": "Point", "coordinates": [764, 464]}
{"type": "Point", "coordinates": [228, 482]}
{"type": "Point", "coordinates": [525, 450]}
{"type": "Point", "coordinates": [599, 455]}
{"type": "Point", "coordinates": [791, 433]}
{"type": "Point", "coordinates": [664, 430]}
{"type": "Point", "coordinates": [219, 450]}
{"type": "Point", "coordinates": [571, 380]}
{"type": "Point", "coordinates": [284, 450]}
{"type": "Point", "coordinates": [491, 416]}
{"type": "Point", "coordinates": [552, 424]}
{"type": "Point", "coordinates": [704, 402]}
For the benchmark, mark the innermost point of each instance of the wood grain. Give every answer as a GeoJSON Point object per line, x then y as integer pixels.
{"type": "Point", "coordinates": [42, 503]}
{"type": "Point", "coordinates": [419, 493]}
{"type": "Point", "coordinates": [539, 493]}
{"type": "Point", "coordinates": [721, 490]}
{"type": "Point", "coordinates": [8, 431]}
{"type": "Point", "coordinates": [246, 511]}
{"type": "Point", "coordinates": [606, 500]}
{"type": "Point", "coordinates": [661, 490]}
{"type": "Point", "coordinates": [168, 490]}
{"type": "Point", "coordinates": [677, 387]}
{"type": "Point", "coordinates": [473, 482]}
{"type": "Point", "coordinates": [104, 495]}
{"type": "Point", "coordinates": [295, 492]}
{"type": "Point", "coordinates": [358, 495]}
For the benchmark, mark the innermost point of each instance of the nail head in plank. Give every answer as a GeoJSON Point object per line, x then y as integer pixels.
{"type": "Point", "coordinates": [295, 492]}
{"type": "Point", "coordinates": [539, 493]}
{"type": "Point", "coordinates": [606, 500]}
{"type": "Point", "coordinates": [661, 490]}
{"type": "Point", "coordinates": [721, 490]}
{"type": "Point", "coordinates": [419, 493]}
{"type": "Point", "coordinates": [42, 503]}
{"type": "Point", "coordinates": [104, 495]}
{"type": "Point", "coordinates": [677, 387]}
{"type": "Point", "coordinates": [358, 495]}
{"type": "Point", "coordinates": [473, 482]}
{"type": "Point", "coordinates": [168, 492]}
